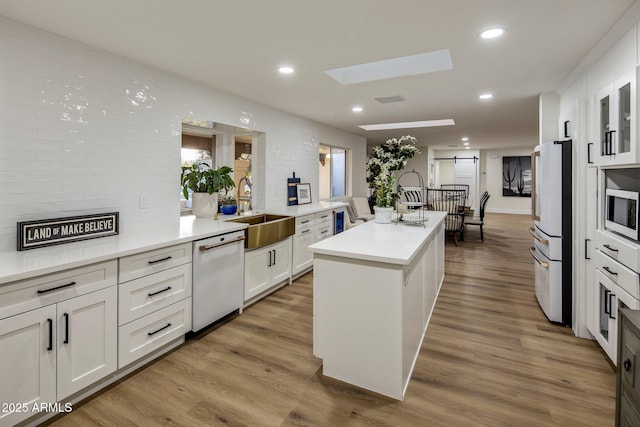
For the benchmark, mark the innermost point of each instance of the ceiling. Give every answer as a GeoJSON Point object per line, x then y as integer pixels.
{"type": "Point", "coordinates": [238, 45]}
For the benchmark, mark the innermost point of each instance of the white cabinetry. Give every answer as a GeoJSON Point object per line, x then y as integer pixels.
{"type": "Point", "coordinates": [154, 302]}
{"type": "Point", "coordinates": [309, 230]}
{"type": "Point", "coordinates": [616, 121]}
{"type": "Point", "coordinates": [62, 340]}
{"type": "Point", "coordinates": [266, 267]}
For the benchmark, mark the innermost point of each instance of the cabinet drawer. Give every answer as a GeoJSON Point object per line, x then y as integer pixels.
{"type": "Point", "coordinates": [323, 232]}
{"type": "Point", "coordinates": [142, 264]}
{"type": "Point", "coordinates": [140, 297]}
{"type": "Point", "coordinates": [323, 218]}
{"type": "Point", "coordinates": [620, 249]}
{"type": "Point", "coordinates": [303, 222]}
{"type": "Point", "coordinates": [153, 331]}
{"type": "Point", "coordinates": [24, 295]}
{"type": "Point", "coordinates": [621, 275]}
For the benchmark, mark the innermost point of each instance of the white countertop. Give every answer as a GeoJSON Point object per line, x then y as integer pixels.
{"type": "Point", "coordinates": [310, 208]}
{"type": "Point", "coordinates": [389, 243]}
{"type": "Point", "coordinates": [16, 265]}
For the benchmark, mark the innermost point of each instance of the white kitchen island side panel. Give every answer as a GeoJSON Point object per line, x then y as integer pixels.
{"type": "Point", "coordinates": [360, 323]}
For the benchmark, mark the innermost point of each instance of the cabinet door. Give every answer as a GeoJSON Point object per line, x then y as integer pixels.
{"type": "Point", "coordinates": [280, 268]}
{"type": "Point", "coordinates": [87, 340]}
{"type": "Point", "coordinates": [302, 257]}
{"type": "Point", "coordinates": [624, 134]}
{"type": "Point", "coordinates": [604, 107]}
{"type": "Point", "coordinates": [591, 198]}
{"type": "Point", "coordinates": [256, 272]}
{"type": "Point", "coordinates": [607, 313]}
{"type": "Point", "coordinates": [28, 368]}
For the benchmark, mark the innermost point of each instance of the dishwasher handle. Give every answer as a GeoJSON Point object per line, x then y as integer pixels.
{"type": "Point", "coordinates": [205, 248]}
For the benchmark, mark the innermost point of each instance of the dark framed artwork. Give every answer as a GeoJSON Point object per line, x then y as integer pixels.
{"type": "Point", "coordinates": [516, 176]}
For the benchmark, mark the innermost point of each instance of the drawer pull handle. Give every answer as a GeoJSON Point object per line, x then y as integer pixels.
{"type": "Point", "coordinates": [610, 248]}
{"type": "Point", "coordinates": [160, 291]}
{"type": "Point", "coordinates": [50, 321]}
{"type": "Point", "coordinates": [324, 216]}
{"type": "Point", "coordinates": [305, 221]}
{"type": "Point", "coordinates": [44, 291]}
{"type": "Point", "coordinates": [205, 248]}
{"type": "Point", "coordinates": [66, 328]}
{"type": "Point", "coordinates": [325, 231]}
{"type": "Point", "coordinates": [158, 330]}
{"type": "Point", "coordinates": [609, 271]}
{"type": "Point", "coordinates": [538, 238]}
{"type": "Point", "coordinates": [532, 250]}
{"type": "Point", "coordinates": [160, 260]}
{"type": "Point", "coordinates": [627, 365]}
{"type": "Point", "coordinates": [305, 231]}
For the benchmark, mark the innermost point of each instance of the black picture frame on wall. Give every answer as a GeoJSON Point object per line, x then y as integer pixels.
{"type": "Point", "coordinates": [516, 176]}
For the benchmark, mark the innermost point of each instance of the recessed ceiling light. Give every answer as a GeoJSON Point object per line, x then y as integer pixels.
{"type": "Point", "coordinates": [409, 125]}
{"type": "Point", "coordinates": [286, 69]}
{"type": "Point", "coordinates": [429, 62]}
{"type": "Point", "coordinates": [466, 143]}
{"type": "Point", "coordinates": [465, 138]}
{"type": "Point", "coordinates": [357, 109]}
{"type": "Point", "coordinates": [492, 33]}
{"type": "Point", "coordinates": [467, 148]}
{"type": "Point", "coordinates": [486, 96]}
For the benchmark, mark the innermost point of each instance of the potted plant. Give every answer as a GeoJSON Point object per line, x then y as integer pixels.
{"type": "Point", "coordinates": [204, 183]}
{"type": "Point", "coordinates": [383, 164]}
{"type": "Point", "coordinates": [228, 205]}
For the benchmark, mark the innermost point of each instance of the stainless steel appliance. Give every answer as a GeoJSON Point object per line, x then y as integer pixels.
{"type": "Point", "coordinates": [621, 212]}
{"type": "Point", "coordinates": [218, 278]}
{"type": "Point", "coordinates": [552, 211]}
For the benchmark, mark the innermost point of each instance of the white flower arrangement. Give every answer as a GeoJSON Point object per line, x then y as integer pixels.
{"type": "Point", "coordinates": [384, 162]}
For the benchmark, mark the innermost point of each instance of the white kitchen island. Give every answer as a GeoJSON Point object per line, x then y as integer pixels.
{"type": "Point", "coordinates": [374, 288]}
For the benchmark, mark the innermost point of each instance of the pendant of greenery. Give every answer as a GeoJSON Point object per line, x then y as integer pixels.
{"type": "Point", "coordinates": [383, 164]}
{"type": "Point", "coordinates": [201, 178]}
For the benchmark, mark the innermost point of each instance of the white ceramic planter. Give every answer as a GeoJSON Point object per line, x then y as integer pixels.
{"type": "Point", "coordinates": [204, 205]}
{"type": "Point", "coordinates": [383, 215]}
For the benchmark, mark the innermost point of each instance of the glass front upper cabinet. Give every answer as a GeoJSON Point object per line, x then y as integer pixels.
{"type": "Point", "coordinates": [616, 111]}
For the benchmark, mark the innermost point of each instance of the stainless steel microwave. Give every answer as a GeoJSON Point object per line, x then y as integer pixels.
{"type": "Point", "coordinates": [621, 212]}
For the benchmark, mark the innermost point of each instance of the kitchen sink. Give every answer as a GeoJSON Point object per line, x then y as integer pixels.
{"type": "Point", "coordinates": [265, 229]}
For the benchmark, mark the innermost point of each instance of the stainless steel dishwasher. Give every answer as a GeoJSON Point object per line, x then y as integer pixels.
{"type": "Point", "coordinates": [218, 278]}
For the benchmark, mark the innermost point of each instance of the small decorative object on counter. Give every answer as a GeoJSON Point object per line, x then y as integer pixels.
{"type": "Point", "coordinates": [228, 205]}
{"type": "Point", "coordinates": [303, 192]}
{"type": "Point", "coordinates": [292, 195]}
{"type": "Point", "coordinates": [383, 215]}
{"type": "Point", "coordinates": [204, 183]}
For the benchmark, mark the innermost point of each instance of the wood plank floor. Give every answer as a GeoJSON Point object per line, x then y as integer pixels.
{"type": "Point", "coordinates": [490, 358]}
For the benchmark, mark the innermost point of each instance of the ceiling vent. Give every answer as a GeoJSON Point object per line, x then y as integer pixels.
{"type": "Point", "coordinates": [453, 146]}
{"type": "Point", "coordinates": [389, 99]}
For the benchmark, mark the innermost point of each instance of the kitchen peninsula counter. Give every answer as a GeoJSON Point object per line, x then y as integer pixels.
{"type": "Point", "coordinates": [375, 287]}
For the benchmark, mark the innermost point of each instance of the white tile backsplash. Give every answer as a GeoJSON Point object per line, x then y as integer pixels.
{"type": "Point", "coordinates": [85, 131]}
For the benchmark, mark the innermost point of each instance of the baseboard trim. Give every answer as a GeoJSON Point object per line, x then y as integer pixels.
{"type": "Point", "coordinates": [510, 211]}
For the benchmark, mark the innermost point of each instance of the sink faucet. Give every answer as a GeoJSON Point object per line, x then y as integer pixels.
{"type": "Point", "coordinates": [245, 197]}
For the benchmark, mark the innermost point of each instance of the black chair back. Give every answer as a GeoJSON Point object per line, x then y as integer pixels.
{"type": "Point", "coordinates": [483, 203]}
{"type": "Point", "coordinates": [451, 202]}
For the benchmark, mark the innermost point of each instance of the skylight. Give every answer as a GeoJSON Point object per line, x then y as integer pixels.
{"type": "Point", "coordinates": [439, 60]}
{"type": "Point", "coordinates": [409, 125]}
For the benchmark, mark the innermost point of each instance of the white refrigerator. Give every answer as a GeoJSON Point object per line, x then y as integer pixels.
{"type": "Point", "coordinates": [551, 201]}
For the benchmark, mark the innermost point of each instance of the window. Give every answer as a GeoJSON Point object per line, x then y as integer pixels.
{"type": "Point", "coordinates": [332, 172]}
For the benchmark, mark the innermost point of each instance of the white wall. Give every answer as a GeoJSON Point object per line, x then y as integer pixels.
{"type": "Point", "coordinates": [83, 131]}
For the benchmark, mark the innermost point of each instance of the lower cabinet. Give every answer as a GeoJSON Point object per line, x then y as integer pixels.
{"type": "Point", "coordinates": [54, 351]}
{"type": "Point", "coordinates": [628, 378]}
{"type": "Point", "coordinates": [266, 267]}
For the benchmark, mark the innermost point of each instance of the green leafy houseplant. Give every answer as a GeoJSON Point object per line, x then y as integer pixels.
{"type": "Point", "coordinates": [201, 178]}
{"type": "Point", "coordinates": [384, 161]}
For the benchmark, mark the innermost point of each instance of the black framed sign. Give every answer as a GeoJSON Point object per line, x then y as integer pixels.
{"type": "Point", "coordinates": [57, 231]}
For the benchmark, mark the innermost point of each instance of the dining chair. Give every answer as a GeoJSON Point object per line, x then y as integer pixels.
{"type": "Point", "coordinates": [451, 202]}
{"type": "Point", "coordinates": [480, 222]}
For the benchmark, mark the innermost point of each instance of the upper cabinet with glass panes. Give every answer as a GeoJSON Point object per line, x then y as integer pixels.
{"type": "Point", "coordinates": [616, 122]}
